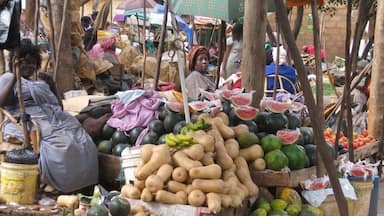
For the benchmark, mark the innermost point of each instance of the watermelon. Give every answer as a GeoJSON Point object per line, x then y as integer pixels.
{"type": "Point", "coordinates": [119, 206]}
{"type": "Point", "coordinates": [107, 132]}
{"type": "Point", "coordinates": [245, 113]}
{"type": "Point", "coordinates": [157, 126]}
{"type": "Point", "coordinates": [175, 106]}
{"type": "Point", "coordinates": [210, 95]}
{"type": "Point", "coordinates": [276, 106]}
{"type": "Point", "coordinates": [198, 106]}
{"type": "Point", "coordinates": [307, 133]}
{"type": "Point", "coordinates": [275, 122]}
{"type": "Point", "coordinates": [119, 137]}
{"type": "Point", "coordinates": [242, 99]}
{"type": "Point", "coordinates": [288, 136]}
{"type": "Point", "coordinates": [296, 106]}
{"type": "Point", "coordinates": [293, 120]}
{"type": "Point", "coordinates": [297, 158]}
{"type": "Point", "coordinates": [276, 160]}
{"type": "Point", "coordinates": [227, 94]}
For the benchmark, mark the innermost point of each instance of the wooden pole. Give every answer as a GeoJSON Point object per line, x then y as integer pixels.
{"type": "Point", "coordinates": [58, 54]}
{"type": "Point", "coordinates": [253, 54]}
{"type": "Point", "coordinates": [314, 112]}
{"type": "Point", "coordinates": [144, 47]}
{"type": "Point", "coordinates": [376, 105]}
{"type": "Point", "coordinates": [319, 77]}
{"type": "Point", "coordinates": [26, 142]}
{"type": "Point", "coordinates": [222, 45]}
{"type": "Point", "coordinates": [277, 63]}
{"type": "Point", "coordinates": [52, 39]}
{"type": "Point", "coordinates": [36, 22]}
{"type": "Point", "coordinates": [161, 45]}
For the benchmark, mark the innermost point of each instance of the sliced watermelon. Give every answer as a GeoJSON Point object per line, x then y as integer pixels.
{"type": "Point", "coordinates": [288, 136]}
{"type": "Point", "coordinates": [210, 95]}
{"type": "Point", "coordinates": [245, 113]}
{"type": "Point", "coordinates": [242, 99]}
{"type": "Point", "coordinates": [174, 106]}
{"type": "Point", "coordinates": [227, 94]}
{"type": "Point", "coordinates": [276, 106]}
{"type": "Point", "coordinates": [296, 106]}
{"type": "Point", "coordinates": [198, 106]}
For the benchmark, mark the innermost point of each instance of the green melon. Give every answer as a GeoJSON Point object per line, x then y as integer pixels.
{"type": "Point", "coordinates": [119, 207]}
{"type": "Point", "coordinates": [276, 160]}
{"type": "Point", "coordinates": [105, 146]}
{"type": "Point", "coordinates": [261, 121]}
{"type": "Point", "coordinates": [133, 134]}
{"type": "Point", "coordinates": [156, 126]}
{"type": "Point", "coordinates": [307, 133]}
{"type": "Point", "coordinates": [119, 137]}
{"type": "Point", "coordinates": [107, 132]}
{"type": "Point", "coordinates": [119, 148]}
{"type": "Point", "coordinates": [270, 142]}
{"type": "Point", "coordinates": [296, 156]}
{"type": "Point", "coordinates": [150, 138]}
{"type": "Point", "coordinates": [178, 126]}
{"type": "Point", "coordinates": [293, 120]}
{"type": "Point", "coordinates": [170, 121]}
{"type": "Point", "coordinates": [275, 122]}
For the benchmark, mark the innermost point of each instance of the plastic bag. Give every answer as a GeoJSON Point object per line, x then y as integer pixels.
{"type": "Point", "coordinates": [362, 168]}
{"type": "Point", "coordinates": [21, 156]}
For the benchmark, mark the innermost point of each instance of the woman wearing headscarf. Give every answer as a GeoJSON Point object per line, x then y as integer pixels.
{"type": "Point", "coordinates": [284, 70]}
{"type": "Point", "coordinates": [198, 78]}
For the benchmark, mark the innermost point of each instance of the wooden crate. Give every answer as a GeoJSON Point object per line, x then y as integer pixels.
{"type": "Point", "coordinates": [109, 168]}
{"type": "Point", "coordinates": [270, 178]}
{"type": "Point", "coordinates": [365, 151]}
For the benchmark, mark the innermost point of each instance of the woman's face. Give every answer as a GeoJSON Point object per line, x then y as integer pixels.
{"type": "Point", "coordinates": [28, 66]}
{"type": "Point", "coordinates": [202, 63]}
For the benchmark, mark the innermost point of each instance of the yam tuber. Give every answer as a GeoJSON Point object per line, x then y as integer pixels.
{"type": "Point", "coordinates": [165, 172]}
{"type": "Point", "coordinates": [154, 183]}
{"type": "Point", "coordinates": [212, 171]}
{"type": "Point", "coordinates": [161, 155]}
{"type": "Point", "coordinates": [166, 197]}
{"type": "Point", "coordinates": [211, 185]}
{"type": "Point", "coordinates": [174, 186]}
{"type": "Point", "coordinates": [252, 153]}
{"type": "Point", "coordinates": [180, 174]}
{"type": "Point", "coordinates": [196, 198]}
{"type": "Point", "coordinates": [195, 152]}
{"type": "Point", "coordinates": [207, 159]}
{"type": "Point", "coordinates": [146, 195]}
{"type": "Point", "coordinates": [181, 159]}
{"type": "Point", "coordinates": [242, 172]}
{"type": "Point", "coordinates": [130, 191]}
{"type": "Point", "coordinates": [214, 202]}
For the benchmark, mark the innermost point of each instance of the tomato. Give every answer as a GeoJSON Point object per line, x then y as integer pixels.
{"type": "Point", "coordinates": [364, 133]}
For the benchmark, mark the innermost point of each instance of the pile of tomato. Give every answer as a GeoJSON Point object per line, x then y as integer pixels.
{"type": "Point", "coordinates": [359, 140]}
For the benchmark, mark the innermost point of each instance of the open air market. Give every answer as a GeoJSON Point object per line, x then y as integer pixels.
{"type": "Point", "coordinates": [191, 107]}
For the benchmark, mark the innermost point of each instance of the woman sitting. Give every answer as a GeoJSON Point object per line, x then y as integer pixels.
{"type": "Point", "coordinates": [284, 70]}
{"type": "Point", "coordinates": [68, 156]}
{"type": "Point", "coordinates": [198, 78]}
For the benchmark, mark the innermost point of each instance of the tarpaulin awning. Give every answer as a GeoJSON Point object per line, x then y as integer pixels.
{"type": "Point", "coordinates": [135, 4]}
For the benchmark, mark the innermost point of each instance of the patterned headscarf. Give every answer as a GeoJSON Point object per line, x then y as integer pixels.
{"type": "Point", "coordinates": [194, 53]}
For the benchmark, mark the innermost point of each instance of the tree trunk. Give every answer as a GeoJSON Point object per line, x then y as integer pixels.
{"type": "Point", "coordinates": [376, 103]}
{"type": "Point", "coordinates": [253, 60]}
{"type": "Point", "coordinates": [64, 76]}
{"type": "Point", "coordinates": [29, 13]}
{"type": "Point", "coordinates": [314, 111]}
{"type": "Point", "coordinates": [298, 21]}
{"type": "Point", "coordinates": [271, 36]}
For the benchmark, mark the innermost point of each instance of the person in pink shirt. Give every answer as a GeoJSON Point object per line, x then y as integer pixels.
{"type": "Point", "coordinates": [310, 49]}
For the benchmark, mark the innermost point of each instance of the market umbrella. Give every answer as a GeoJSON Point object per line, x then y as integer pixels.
{"type": "Point", "coordinates": [221, 9]}
{"type": "Point", "coordinates": [135, 4]}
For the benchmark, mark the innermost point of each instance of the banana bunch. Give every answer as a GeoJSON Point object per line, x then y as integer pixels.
{"type": "Point", "coordinates": [199, 125]}
{"type": "Point", "coordinates": [178, 141]}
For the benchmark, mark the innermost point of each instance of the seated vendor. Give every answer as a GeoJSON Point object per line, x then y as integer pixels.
{"type": "Point", "coordinates": [68, 156]}
{"type": "Point", "coordinates": [199, 76]}
{"type": "Point", "coordinates": [283, 70]}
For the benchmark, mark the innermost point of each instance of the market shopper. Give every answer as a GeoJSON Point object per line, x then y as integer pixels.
{"type": "Point", "coordinates": [232, 55]}
{"type": "Point", "coordinates": [283, 70]}
{"type": "Point", "coordinates": [68, 157]}
{"type": "Point", "coordinates": [199, 76]}
{"type": "Point", "coordinates": [90, 37]}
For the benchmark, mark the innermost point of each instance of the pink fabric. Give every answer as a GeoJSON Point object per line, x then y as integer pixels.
{"type": "Point", "coordinates": [96, 52]}
{"type": "Point", "coordinates": [138, 113]}
{"type": "Point", "coordinates": [107, 43]}
{"type": "Point", "coordinates": [310, 49]}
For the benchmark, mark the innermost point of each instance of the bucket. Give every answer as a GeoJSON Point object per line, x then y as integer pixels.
{"type": "Point", "coordinates": [19, 182]}
{"type": "Point", "coordinates": [130, 157]}
{"type": "Point", "coordinates": [363, 189]}
{"type": "Point", "coordinates": [329, 206]}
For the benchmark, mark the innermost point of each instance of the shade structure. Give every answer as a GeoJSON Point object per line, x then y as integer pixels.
{"type": "Point", "coordinates": [221, 9]}
{"type": "Point", "coordinates": [135, 4]}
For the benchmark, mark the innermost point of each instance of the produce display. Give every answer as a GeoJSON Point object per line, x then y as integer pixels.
{"type": "Point", "coordinates": [359, 140]}
{"type": "Point", "coordinates": [212, 171]}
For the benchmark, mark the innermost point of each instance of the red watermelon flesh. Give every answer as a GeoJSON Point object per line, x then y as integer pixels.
{"type": "Point", "coordinates": [227, 94]}
{"type": "Point", "coordinates": [246, 113]}
{"type": "Point", "coordinates": [288, 136]}
{"type": "Point", "coordinates": [210, 95]}
{"type": "Point", "coordinates": [276, 106]}
{"type": "Point", "coordinates": [242, 99]}
{"type": "Point", "coordinates": [296, 106]}
{"type": "Point", "coordinates": [198, 105]}
{"type": "Point", "coordinates": [175, 106]}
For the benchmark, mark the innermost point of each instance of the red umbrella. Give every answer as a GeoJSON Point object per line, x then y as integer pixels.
{"type": "Point", "coordinates": [135, 4]}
